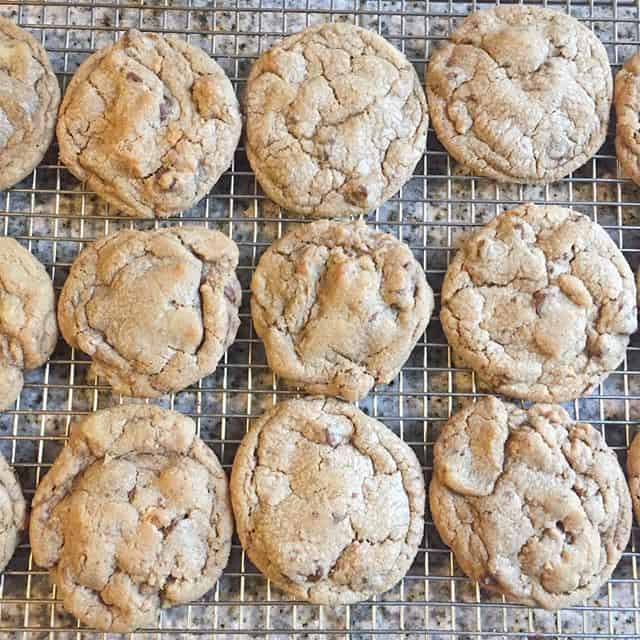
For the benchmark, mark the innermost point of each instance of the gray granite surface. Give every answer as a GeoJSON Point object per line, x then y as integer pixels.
{"type": "Point", "coordinates": [52, 214]}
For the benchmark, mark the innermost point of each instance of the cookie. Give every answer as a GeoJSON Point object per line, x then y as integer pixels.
{"type": "Point", "coordinates": [155, 310]}
{"type": "Point", "coordinates": [28, 329]}
{"type": "Point", "coordinates": [540, 303]}
{"type": "Point", "coordinates": [339, 307]}
{"type": "Point", "coordinates": [336, 121]}
{"type": "Point", "coordinates": [328, 502]}
{"type": "Point", "coordinates": [520, 94]}
{"type": "Point", "coordinates": [13, 513]}
{"type": "Point", "coordinates": [134, 515]}
{"type": "Point", "coordinates": [29, 101]}
{"type": "Point", "coordinates": [150, 123]}
{"type": "Point", "coordinates": [533, 505]}
{"type": "Point", "coordinates": [633, 473]}
{"type": "Point", "coordinates": [627, 103]}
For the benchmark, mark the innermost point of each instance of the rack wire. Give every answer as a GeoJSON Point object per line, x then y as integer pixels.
{"type": "Point", "coordinates": [54, 216]}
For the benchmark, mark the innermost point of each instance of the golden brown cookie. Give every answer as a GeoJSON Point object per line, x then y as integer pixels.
{"type": "Point", "coordinates": [533, 505]}
{"type": "Point", "coordinates": [339, 307]}
{"type": "Point", "coordinates": [540, 303]}
{"type": "Point", "coordinates": [134, 515]}
{"type": "Point", "coordinates": [28, 329]}
{"type": "Point", "coordinates": [329, 503]}
{"type": "Point", "coordinates": [336, 121]}
{"type": "Point", "coordinates": [520, 94]}
{"type": "Point", "coordinates": [29, 102]}
{"type": "Point", "coordinates": [150, 123]}
{"type": "Point", "coordinates": [155, 310]}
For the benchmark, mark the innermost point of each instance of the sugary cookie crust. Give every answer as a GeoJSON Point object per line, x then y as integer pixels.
{"type": "Point", "coordinates": [155, 310]}
{"type": "Point", "coordinates": [336, 121]}
{"type": "Point", "coordinates": [520, 94]}
{"type": "Point", "coordinates": [540, 303]}
{"type": "Point", "coordinates": [339, 307]}
{"type": "Point", "coordinates": [13, 513]}
{"type": "Point", "coordinates": [134, 515]}
{"type": "Point", "coordinates": [28, 103]}
{"type": "Point", "coordinates": [28, 329]}
{"type": "Point", "coordinates": [534, 505]}
{"type": "Point", "coordinates": [633, 472]}
{"type": "Point", "coordinates": [329, 503]}
{"type": "Point", "coordinates": [627, 103]}
{"type": "Point", "coordinates": [150, 123]}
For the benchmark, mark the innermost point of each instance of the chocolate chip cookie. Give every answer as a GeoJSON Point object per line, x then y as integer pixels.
{"type": "Point", "coordinates": [28, 329]}
{"type": "Point", "coordinates": [540, 303]}
{"type": "Point", "coordinates": [29, 99]}
{"type": "Point", "coordinates": [150, 123]}
{"type": "Point", "coordinates": [155, 310]}
{"type": "Point", "coordinates": [520, 94]}
{"type": "Point", "coordinates": [627, 103]}
{"type": "Point", "coordinates": [633, 472]}
{"type": "Point", "coordinates": [329, 503]}
{"type": "Point", "coordinates": [339, 307]}
{"type": "Point", "coordinates": [13, 513]}
{"type": "Point", "coordinates": [336, 121]}
{"type": "Point", "coordinates": [134, 515]}
{"type": "Point", "coordinates": [533, 505]}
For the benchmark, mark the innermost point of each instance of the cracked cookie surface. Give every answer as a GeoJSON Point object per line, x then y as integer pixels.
{"type": "Point", "coordinates": [520, 94]}
{"type": "Point", "coordinates": [134, 515]}
{"type": "Point", "coordinates": [627, 104]}
{"type": "Point", "coordinates": [533, 505]}
{"type": "Point", "coordinates": [28, 329]}
{"type": "Point", "coordinates": [540, 303]}
{"type": "Point", "coordinates": [155, 310]}
{"type": "Point", "coordinates": [29, 99]}
{"type": "Point", "coordinates": [13, 512]}
{"type": "Point", "coordinates": [150, 123]}
{"type": "Point", "coordinates": [329, 503]}
{"type": "Point", "coordinates": [633, 473]}
{"type": "Point", "coordinates": [339, 307]}
{"type": "Point", "coordinates": [336, 121]}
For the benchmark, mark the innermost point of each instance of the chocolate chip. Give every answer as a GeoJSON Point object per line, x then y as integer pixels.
{"type": "Point", "coordinates": [134, 77]}
{"type": "Point", "coordinates": [165, 108]}
{"type": "Point", "coordinates": [230, 294]}
{"type": "Point", "coordinates": [314, 577]}
{"type": "Point", "coordinates": [315, 514]}
{"type": "Point", "coordinates": [569, 537]}
{"type": "Point", "coordinates": [362, 193]}
{"type": "Point", "coordinates": [539, 297]}
{"type": "Point", "coordinates": [332, 438]}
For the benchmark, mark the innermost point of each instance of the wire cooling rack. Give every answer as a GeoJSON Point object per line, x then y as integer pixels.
{"type": "Point", "coordinates": [54, 216]}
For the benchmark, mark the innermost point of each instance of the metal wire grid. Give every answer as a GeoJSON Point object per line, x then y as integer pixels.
{"type": "Point", "coordinates": [54, 216]}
